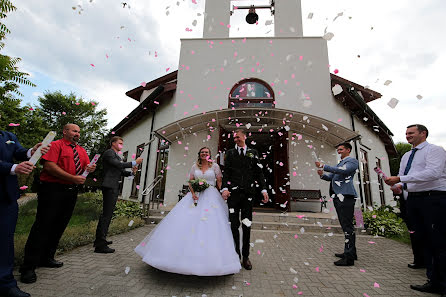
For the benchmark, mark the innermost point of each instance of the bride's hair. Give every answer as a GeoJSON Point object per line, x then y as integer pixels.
{"type": "Point", "coordinates": [199, 159]}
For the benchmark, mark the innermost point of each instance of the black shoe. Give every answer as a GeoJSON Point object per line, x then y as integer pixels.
{"type": "Point", "coordinates": [427, 287]}
{"type": "Point", "coordinates": [109, 242]}
{"type": "Point", "coordinates": [246, 263]}
{"type": "Point", "coordinates": [28, 276]}
{"type": "Point", "coordinates": [16, 292]}
{"type": "Point", "coordinates": [342, 256]}
{"type": "Point", "coordinates": [344, 262]}
{"type": "Point", "coordinates": [104, 250]}
{"type": "Point", "coordinates": [51, 263]}
{"type": "Point", "coordinates": [416, 265]}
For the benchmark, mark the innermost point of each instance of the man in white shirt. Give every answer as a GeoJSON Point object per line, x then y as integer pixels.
{"type": "Point", "coordinates": [423, 175]}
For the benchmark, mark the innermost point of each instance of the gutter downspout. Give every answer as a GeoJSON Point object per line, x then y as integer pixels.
{"type": "Point", "coordinates": [148, 154]}
{"type": "Point", "coordinates": [361, 192]}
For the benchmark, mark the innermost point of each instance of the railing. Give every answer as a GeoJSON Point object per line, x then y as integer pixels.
{"type": "Point", "coordinates": [154, 199]}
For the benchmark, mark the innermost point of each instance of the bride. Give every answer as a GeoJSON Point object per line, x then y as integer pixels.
{"type": "Point", "coordinates": [194, 240]}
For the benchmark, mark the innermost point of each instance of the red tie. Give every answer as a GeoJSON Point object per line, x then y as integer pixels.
{"type": "Point", "coordinates": [77, 161]}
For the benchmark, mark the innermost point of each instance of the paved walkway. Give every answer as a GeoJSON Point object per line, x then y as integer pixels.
{"type": "Point", "coordinates": [280, 262]}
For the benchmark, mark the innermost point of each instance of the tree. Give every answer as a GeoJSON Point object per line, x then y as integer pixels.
{"type": "Point", "coordinates": [10, 76]}
{"type": "Point", "coordinates": [57, 109]}
{"type": "Point", "coordinates": [401, 149]}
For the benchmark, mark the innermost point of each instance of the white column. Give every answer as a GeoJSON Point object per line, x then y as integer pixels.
{"type": "Point", "coordinates": [217, 12]}
{"type": "Point", "coordinates": [288, 18]}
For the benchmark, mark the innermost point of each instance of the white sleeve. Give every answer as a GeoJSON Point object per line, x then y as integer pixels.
{"type": "Point", "coordinates": [217, 171]}
{"type": "Point", "coordinates": [435, 162]}
{"type": "Point", "coordinates": [192, 172]}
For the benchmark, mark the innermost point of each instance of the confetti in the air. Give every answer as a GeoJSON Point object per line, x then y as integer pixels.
{"type": "Point", "coordinates": [23, 188]}
{"type": "Point", "coordinates": [393, 102]}
{"type": "Point", "coordinates": [328, 36]}
{"type": "Point", "coordinates": [310, 15]}
{"type": "Point", "coordinates": [13, 125]}
{"type": "Point", "coordinates": [419, 97]}
{"type": "Point", "coordinates": [387, 82]}
{"type": "Point", "coordinates": [127, 270]}
{"type": "Point", "coordinates": [131, 223]}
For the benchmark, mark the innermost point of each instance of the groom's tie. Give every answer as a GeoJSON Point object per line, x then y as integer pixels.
{"type": "Point", "coordinates": [241, 152]}
{"type": "Point", "coordinates": [409, 164]}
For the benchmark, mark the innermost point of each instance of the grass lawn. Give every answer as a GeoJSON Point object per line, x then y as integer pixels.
{"type": "Point", "coordinates": [81, 229]}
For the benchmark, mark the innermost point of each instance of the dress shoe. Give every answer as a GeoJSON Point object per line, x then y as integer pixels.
{"type": "Point", "coordinates": [109, 242]}
{"type": "Point", "coordinates": [28, 276]}
{"type": "Point", "coordinates": [51, 263]}
{"type": "Point", "coordinates": [104, 250]}
{"type": "Point", "coordinates": [344, 262]}
{"type": "Point", "coordinates": [246, 263]}
{"type": "Point", "coordinates": [15, 292]}
{"type": "Point", "coordinates": [427, 288]}
{"type": "Point", "coordinates": [416, 265]}
{"type": "Point", "coordinates": [342, 256]}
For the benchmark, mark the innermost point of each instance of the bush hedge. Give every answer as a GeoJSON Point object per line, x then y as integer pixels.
{"type": "Point", "coordinates": [383, 221]}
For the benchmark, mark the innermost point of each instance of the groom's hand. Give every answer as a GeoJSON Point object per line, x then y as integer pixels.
{"type": "Point", "coordinates": [265, 197]}
{"type": "Point", "coordinates": [226, 194]}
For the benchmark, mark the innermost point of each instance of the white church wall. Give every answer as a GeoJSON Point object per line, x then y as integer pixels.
{"type": "Point", "coordinates": [300, 84]}
{"type": "Point", "coordinates": [375, 148]}
{"type": "Point", "coordinates": [181, 158]}
{"type": "Point", "coordinates": [138, 134]}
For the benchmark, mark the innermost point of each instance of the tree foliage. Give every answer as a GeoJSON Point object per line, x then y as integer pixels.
{"type": "Point", "coordinates": [10, 75]}
{"type": "Point", "coordinates": [57, 110]}
{"type": "Point", "coordinates": [401, 149]}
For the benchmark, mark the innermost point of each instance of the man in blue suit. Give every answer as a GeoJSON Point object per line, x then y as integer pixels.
{"type": "Point", "coordinates": [344, 196]}
{"type": "Point", "coordinates": [11, 149]}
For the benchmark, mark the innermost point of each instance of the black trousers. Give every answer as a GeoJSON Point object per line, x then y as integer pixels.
{"type": "Point", "coordinates": [415, 240]}
{"type": "Point", "coordinates": [8, 221]}
{"type": "Point", "coordinates": [240, 202]}
{"type": "Point", "coordinates": [109, 197]}
{"type": "Point", "coordinates": [345, 212]}
{"type": "Point", "coordinates": [428, 217]}
{"type": "Point", "coordinates": [55, 207]}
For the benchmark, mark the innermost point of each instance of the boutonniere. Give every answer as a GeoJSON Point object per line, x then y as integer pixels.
{"type": "Point", "coordinates": [10, 142]}
{"type": "Point", "coordinates": [250, 155]}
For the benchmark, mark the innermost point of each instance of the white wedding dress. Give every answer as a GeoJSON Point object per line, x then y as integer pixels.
{"type": "Point", "coordinates": [194, 240]}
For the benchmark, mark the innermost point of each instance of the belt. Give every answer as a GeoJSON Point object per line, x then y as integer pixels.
{"type": "Point", "coordinates": [427, 193]}
{"type": "Point", "coordinates": [60, 187]}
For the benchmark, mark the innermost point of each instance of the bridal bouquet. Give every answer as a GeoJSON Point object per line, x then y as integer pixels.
{"type": "Point", "coordinates": [198, 185]}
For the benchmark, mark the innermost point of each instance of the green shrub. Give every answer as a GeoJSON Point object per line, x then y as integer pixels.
{"type": "Point", "coordinates": [128, 209]}
{"type": "Point", "coordinates": [383, 221]}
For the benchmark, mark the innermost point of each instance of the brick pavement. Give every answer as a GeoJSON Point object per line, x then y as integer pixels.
{"type": "Point", "coordinates": [384, 262]}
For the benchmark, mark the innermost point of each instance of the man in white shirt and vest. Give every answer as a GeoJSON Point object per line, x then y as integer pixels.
{"type": "Point", "coordinates": [423, 175]}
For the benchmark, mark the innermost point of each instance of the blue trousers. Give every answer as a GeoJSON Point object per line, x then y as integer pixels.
{"type": "Point", "coordinates": [8, 220]}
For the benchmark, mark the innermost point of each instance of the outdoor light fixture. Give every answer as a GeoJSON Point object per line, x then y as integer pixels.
{"type": "Point", "coordinates": [252, 17]}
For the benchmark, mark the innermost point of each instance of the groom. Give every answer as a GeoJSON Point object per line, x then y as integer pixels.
{"type": "Point", "coordinates": [242, 175]}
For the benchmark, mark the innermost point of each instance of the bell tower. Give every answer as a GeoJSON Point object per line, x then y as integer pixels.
{"type": "Point", "coordinates": [287, 17]}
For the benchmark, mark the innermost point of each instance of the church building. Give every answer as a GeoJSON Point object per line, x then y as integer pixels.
{"type": "Point", "coordinates": [278, 88]}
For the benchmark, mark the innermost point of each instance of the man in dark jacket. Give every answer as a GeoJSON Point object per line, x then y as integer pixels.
{"type": "Point", "coordinates": [11, 149]}
{"type": "Point", "coordinates": [114, 168]}
{"type": "Point", "coordinates": [242, 175]}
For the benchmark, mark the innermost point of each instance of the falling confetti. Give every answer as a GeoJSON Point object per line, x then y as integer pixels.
{"type": "Point", "coordinates": [131, 223]}
{"type": "Point", "coordinates": [393, 102]}
{"type": "Point", "coordinates": [13, 125]}
{"type": "Point", "coordinates": [310, 15]}
{"type": "Point", "coordinates": [419, 97]}
{"type": "Point", "coordinates": [337, 89]}
{"type": "Point", "coordinates": [10, 142]}
{"type": "Point", "coordinates": [23, 188]}
{"type": "Point", "coordinates": [127, 270]}
{"type": "Point", "coordinates": [387, 82]}
{"type": "Point", "coordinates": [328, 36]}
{"type": "Point", "coordinates": [292, 270]}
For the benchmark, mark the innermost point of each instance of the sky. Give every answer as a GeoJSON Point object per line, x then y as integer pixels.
{"type": "Point", "coordinates": [374, 42]}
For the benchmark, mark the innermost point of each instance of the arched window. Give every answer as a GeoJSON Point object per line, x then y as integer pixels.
{"type": "Point", "coordinates": [251, 92]}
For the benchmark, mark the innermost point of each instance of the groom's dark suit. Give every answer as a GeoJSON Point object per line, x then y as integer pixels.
{"type": "Point", "coordinates": [10, 149]}
{"type": "Point", "coordinates": [242, 175]}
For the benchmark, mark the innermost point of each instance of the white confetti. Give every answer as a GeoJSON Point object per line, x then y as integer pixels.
{"type": "Point", "coordinates": [234, 287]}
{"type": "Point", "coordinates": [260, 241]}
{"type": "Point", "coordinates": [306, 263]}
{"type": "Point", "coordinates": [127, 270]}
{"type": "Point", "coordinates": [319, 224]}
{"type": "Point", "coordinates": [341, 197]}
{"type": "Point", "coordinates": [393, 102]}
{"type": "Point", "coordinates": [246, 222]}
{"type": "Point", "coordinates": [292, 270]}
{"type": "Point", "coordinates": [330, 234]}
{"type": "Point", "coordinates": [296, 280]}
{"type": "Point", "coordinates": [231, 210]}
{"type": "Point", "coordinates": [328, 36]}
{"type": "Point", "coordinates": [387, 82]}
{"type": "Point", "coordinates": [302, 230]}
{"type": "Point", "coordinates": [204, 218]}
{"type": "Point", "coordinates": [337, 89]}
{"type": "Point", "coordinates": [131, 223]}
{"type": "Point", "coordinates": [419, 97]}
{"type": "Point", "coordinates": [325, 127]}
{"type": "Point", "coordinates": [310, 15]}
{"type": "Point", "coordinates": [268, 22]}
{"type": "Point", "coordinates": [248, 126]}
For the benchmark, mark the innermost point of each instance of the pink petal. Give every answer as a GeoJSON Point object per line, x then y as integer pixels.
{"type": "Point", "coordinates": [336, 71]}
{"type": "Point", "coordinates": [113, 132]}
{"type": "Point", "coordinates": [94, 179]}
{"type": "Point", "coordinates": [167, 69]}
{"type": "Point", "coordinates": [133, 156]}
{"type": "Point", "coordinates": [258, 252]}
{"type": "Point", "coordinates": [92, 65]}
{"type": "Point", "coordinates": [64, 113]}
{"type": "Point", "coordinates": [371, 242]}
{"type": "Point", "coordinates": [143, 84]}
{"type": "Point", "coordinates": [376, 285]}
{"type": "Point", "coordinates": [317, 269]}
{"type": "Point", "coordinates": [23, 188]}
{"type": "Point", "coordinates": [362, 270]}
{"type": "Point", "coordinates": [294, 287]}
{"type": "Point", "coordinates": [137, 186]}
{"type": "Point", "coordinates": [13, 125]}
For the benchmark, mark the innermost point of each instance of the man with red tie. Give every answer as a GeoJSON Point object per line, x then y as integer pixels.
{"type": "Point", "coordinates": [423, 176]}
{"type": "Point", "coordinates": [62, 172]}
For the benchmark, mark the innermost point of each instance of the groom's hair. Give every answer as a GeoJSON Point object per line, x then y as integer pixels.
{"type": "Point", "coordinates": [345, 145]}
{"type": "Point", "coordinates": [243, 131]}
